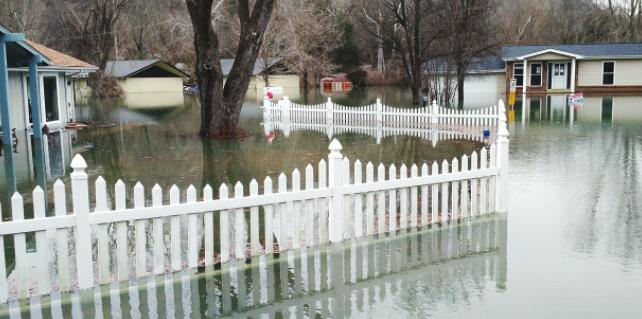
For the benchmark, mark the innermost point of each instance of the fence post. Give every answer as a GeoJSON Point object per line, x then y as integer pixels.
{"type": "Point", "coordinates": [80, 203]}
{"type": "Point", "coordinates": [329, 116]}
{"type": "Point", "coordinates": [335, 165]}
{"type": "Point", "coordinates": [379, 111]}
{"type": "Point", "coordinates": [501, 191]}
{"type": "Point", "coordinates": [434, 119]}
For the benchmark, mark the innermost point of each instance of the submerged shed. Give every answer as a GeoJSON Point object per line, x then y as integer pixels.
{"type": "Point", "coordinates": [146, 76]}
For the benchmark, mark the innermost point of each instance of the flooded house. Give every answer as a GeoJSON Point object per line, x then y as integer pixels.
{"type": "Point", "coordinates": [49, 100]}
{"type": "Point", "coordinates": [278, 74]}
{"type": "Point", "coordinates": [146, 76]}
{"type": "Point", "coordinates": [148, 83]}
{"type": "Point", "coordinates": [587, 68]}
{"type": "Point", "coordinates": [484, 79]}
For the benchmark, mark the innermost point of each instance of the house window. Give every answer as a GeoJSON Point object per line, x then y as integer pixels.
{"type": "Point", "coordinates": [608, 72]}
{"type": "Point", "coordinates": [50, 98]}
{"type": "Point", "coordinates": [518, 73]}
{"type": "Point", "coordinates": [536, 74]}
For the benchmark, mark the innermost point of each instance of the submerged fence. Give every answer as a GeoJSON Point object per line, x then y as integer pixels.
{"type": "Point", "coordinates": [113, 242]}
{"type": "Point", "coordinates": [379, 114]}
{"type": "Point", "coordinates": [337, 281]}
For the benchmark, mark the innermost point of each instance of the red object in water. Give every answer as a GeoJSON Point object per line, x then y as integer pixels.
{"type": "Point", "coordinates": [269, 95]}
{"type": "Point", "coordinates": [271, 136]}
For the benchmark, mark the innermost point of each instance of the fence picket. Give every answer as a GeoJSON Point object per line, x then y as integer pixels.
{"type": "Point", "coordinates": [444, 193]}
{"type": "Point", "coordinates": [62, 237]}
{"type": "Point", "coordinates": [348, 213]}
{"type": "Point", "coordinates": [284, 219]}
{"type": "Point", "coordinates": [122, 251]}
{"type": "Point", "coordinates": [454, 195]}
{"type": "Point", "coordinates": [20, 248]}
{"type": "Point", "coordinates": [370, 200]}
{"type": "Point", "coordinates": [392, 200]}
{"type": "Point", "coordinates": [175, 230]}
{"type": "Point", "coordinates": [473, 186]}
{"type": "Point", "coordinates": [414, 200]}
{"type": "Point", "coordinates": [102, 237]}
{"type": "Point", "coordinates": [403, 199]}
{"type": "Point", "coordinates": [208, 227]}
{"type": "Point", "coordinates": [254, 221]}
{"type": "Point", "coordinates": [268, 210]}
{"type": "Point", "coordinates": [296, 216]}
{"type": "Point", "coordinates": [322, 208]}
{"type": "Point", "coordinates": [424, 197]}
{"type": "Point", "coordinates": [140, 233]}
{"type": "Point", "coordinates": [157, 235]}
{"type": "Point", "coordinates": [193, 240]}
{"type": "Point", "coordinates": [464, 189]}
{"type": "Point", "coordinates": [483, 182]}
{"type": "Point", "coordinates": [310, 230]}
{"type": "Point", "coordinates": [492, 181]}
{"type": "Point", "coordinates": [434, 199]}
{"type": "Point", "coordinates": [224, 228]}
{"type": "Point", "coordinates": [381, 201]}
{"type": "Point", "coordinates": [357, 199]}
{"type": "Point", "coordinates": [42, 244]}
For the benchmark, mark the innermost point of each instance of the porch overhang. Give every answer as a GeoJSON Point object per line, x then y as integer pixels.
{"type": "Point", "coordinates": [548, 52]}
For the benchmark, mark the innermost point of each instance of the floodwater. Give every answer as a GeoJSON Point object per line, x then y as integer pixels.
{"type": "Point", "coordinates": [569, 247]}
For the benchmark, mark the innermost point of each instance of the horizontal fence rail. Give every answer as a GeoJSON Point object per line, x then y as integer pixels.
{"type": "Point", "coordinates": [99, 239]}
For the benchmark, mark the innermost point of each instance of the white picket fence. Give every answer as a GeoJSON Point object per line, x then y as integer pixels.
{"type": "Point", "coordinates": [114, 242]}
{"type": "Point", "coordinates": [379, 114]}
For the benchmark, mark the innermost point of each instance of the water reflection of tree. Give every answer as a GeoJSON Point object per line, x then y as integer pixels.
{"type": "Point", "coordinates": [223, 162]}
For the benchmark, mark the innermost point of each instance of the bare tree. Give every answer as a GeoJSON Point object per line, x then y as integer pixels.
{"type": "Point", "coordinates": [221, 102]}
{"type": "Point", "coordinates": [470, 34]}
{"type": "Point", "coordinates": [411, 28]}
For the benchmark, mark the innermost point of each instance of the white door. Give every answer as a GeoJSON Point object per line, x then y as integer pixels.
{"type": "Point", "coordinates": [558, 79]}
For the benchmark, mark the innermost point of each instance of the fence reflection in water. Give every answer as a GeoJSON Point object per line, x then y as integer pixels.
{"type": "Point", "coordinates": [339, 280]}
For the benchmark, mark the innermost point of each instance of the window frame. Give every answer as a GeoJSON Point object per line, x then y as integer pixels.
{"type": "Point", "coordinates": [612, 73]}
{"type": "Point", "coordinates": [531, 74]}
{"type": "Point", "coordinates": [521, 75]}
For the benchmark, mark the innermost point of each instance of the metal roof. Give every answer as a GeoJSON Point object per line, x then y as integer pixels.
{"type": "Point", "coordinates": [226, 65]}
{"type": "Point", "coordinates": [126, 68]}
{"type": "Point", "coordinates": [477, 65]}
{"type": "Point", "coordinates": [585, 50]}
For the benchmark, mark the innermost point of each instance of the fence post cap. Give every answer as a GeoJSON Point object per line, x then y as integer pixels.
{"type": "Point", "coordinates": [329, 99]}
{"type": "Point", "coordinates": [335, 146]}
{"type": "Point", "coordinates": [285, 98]}
{"type": "Point", "coordinates": [78, 163]}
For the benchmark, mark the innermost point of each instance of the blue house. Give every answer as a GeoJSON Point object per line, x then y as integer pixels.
{"type": "Point", "coordinates": [36, 85]}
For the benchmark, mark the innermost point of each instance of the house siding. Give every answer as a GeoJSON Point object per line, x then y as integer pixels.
{"type": "Point", "coordinates": [17, 101]}
{"type": "Point", "coordinates": [151, 85]}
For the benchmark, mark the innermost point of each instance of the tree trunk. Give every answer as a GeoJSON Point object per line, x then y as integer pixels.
{"type": "Point", "coordinates": [221, 103]}
{"type": "Point", "coordinates": [208, 63]}
{"type": "Point", "coordinates": [461, 75]}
